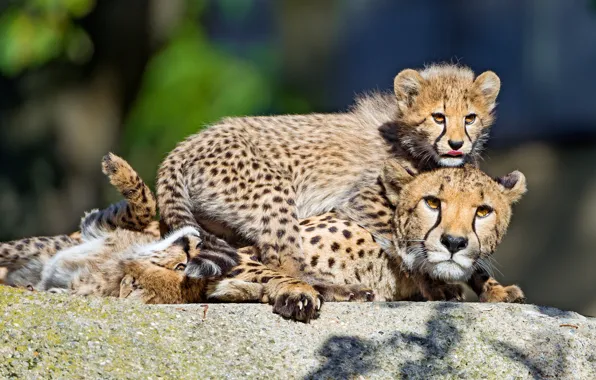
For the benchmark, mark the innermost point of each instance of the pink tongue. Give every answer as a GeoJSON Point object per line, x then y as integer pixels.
{"type": "Point", "coordinates": [454, 153]}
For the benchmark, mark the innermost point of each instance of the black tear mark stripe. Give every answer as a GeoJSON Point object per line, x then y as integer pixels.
{"type": "Point", "coordinates": [435, 145]}
{"type": "Point", "coordinates": [434, 226]}
{"type": "Point", "coordinates": [467, 134]}
{"type": "Point", "coordinates": [477, 238]}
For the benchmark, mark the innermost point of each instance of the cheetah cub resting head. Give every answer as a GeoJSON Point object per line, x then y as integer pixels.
{"type": "Point", "coordinates": [445, 112]}
{"type": "Point", "coordinates": [449, 221]}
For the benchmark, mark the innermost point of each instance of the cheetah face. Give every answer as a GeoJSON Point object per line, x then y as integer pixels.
{"type": "Point", "coordinates": [449, 221]}
{"type": "Point", "coordinates": [175, 250]}
{"type": "Point", "coordinates": [446, 113]}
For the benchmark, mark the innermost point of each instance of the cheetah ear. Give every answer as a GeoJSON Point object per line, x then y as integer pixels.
{"type": "Point", "coordinates": [489, 85]}
{"type": "Point", "coordinates": [407, 85]}
{"type": "Point", "coordinates": [393, 178]}
{"type": "Point", "coordinates": [514, 185]}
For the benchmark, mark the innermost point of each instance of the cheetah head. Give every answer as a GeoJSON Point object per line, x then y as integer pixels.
{"type": "Point", "coordinates": [445, 112]}
{"type": "Point", "coordinates": [449, 221]}
{"type": "Point", "coordinates": [176, 250]}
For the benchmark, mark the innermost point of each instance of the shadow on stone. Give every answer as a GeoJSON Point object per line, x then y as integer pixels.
{"type": "Point", "coordinates": [441, 337]}
{"type": "Point", "coordinates": [392, 305]}
{"type": "Point", "coordinates": [555, 313]}
{"type": "Point", "coordinates": [519, 356]}
{"type": "Point", "coordinates": [348, 356]}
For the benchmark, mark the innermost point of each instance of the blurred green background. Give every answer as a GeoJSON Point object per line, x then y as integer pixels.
{"type": "Point", "coordinates": [84, 77]}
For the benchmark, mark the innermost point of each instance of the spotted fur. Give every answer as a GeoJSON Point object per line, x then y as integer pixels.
{"type": "Point", "coordinates": [251, 179]}
{"type": "Point", "coordinates": [418, 266]}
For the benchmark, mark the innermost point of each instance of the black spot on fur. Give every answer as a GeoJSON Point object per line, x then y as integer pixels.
{"type": "Point", "coordinates": [331, 262]}
{"type": "Point", "coordinates": [347, 234]}
{"type": "Point", "coordinates": [315, 239]}
{"type": "Point", "coordinates": [236, 272]}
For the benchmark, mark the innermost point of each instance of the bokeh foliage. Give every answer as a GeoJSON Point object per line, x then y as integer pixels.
{"type": "Point", "coordinates": [188, 83]}
{"type": "Point", "coordinates": [34, 32]}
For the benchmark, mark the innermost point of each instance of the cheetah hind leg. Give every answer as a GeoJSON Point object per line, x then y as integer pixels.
{"type": "Point", "coordinates": [344, 293]}
{"type": "Point", "coordinates": [135, 212]}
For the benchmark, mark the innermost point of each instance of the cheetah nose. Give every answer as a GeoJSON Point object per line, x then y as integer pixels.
{"type": "Point", "coordinates": [454, 243]}
{"type": "Point", "coordinates": [455, 145]}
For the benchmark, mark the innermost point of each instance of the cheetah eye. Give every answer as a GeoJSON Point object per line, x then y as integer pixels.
{"type": "Point", "coordinates": [483, 211]}
{"type": "Point", "coordinates": [470, 119]}
{"type": "Point", "coordinates": [180, 267]}
{"type": "Point", "coordinates": [439, 118]}
{"type": "Point", "coordinates": [432, 202]}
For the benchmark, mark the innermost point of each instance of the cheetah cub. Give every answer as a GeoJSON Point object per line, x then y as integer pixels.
{"type": "Point", "coordinates": [117, 253]}
{"type": "Point", "coordinates": [253, 178]}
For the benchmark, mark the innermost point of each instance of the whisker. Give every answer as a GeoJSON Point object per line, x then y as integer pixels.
{"type": "Point", "coordinates": [492, 265]}
{"type": "Point", "coordinates": [488, 267]}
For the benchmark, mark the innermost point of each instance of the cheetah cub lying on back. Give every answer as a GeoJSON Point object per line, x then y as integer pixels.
{"type": "Point", "coordinates": [117, 251]}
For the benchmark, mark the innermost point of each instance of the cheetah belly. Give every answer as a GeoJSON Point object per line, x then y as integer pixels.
{"type": "Point", "coordinates": [341, 252]}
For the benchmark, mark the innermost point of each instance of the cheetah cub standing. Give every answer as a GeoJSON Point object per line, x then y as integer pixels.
{"type": "Point", "coordinates": [253, 178]}
{"type": "Point", "coordinates": [117, 253]}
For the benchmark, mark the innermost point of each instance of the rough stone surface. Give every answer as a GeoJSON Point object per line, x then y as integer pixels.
{"type": "Point", "coordinates": [57, 336]}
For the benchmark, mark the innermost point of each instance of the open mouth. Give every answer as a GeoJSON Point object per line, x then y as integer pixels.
{"type": "Point", "coordinates": [454, 153]}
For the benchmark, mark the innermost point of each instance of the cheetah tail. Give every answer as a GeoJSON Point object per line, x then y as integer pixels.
{"type": "Point", "coordinates": [216, 258]}
{"type": "Point", "coordinates": [135, 212]}
{"type": "Point", "coordinates": [16, 253]}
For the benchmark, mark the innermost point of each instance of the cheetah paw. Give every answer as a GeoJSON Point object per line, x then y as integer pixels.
{"type": "Point", "coordinates": [128, 285]}
{"type": "Point", "coordinates": [345, 293]}
{"type": "Point", "coordinates": [58, 290]}
{"type": "Point", "coordinates": [444, 292]}
{"type": "Point", "coordinates": [499, 293]}
{"type": "Point", "coordinates": [298, 304]}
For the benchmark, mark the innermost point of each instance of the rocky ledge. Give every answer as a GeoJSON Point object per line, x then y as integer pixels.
{"type": "Point", "coordinates": [57, 336]}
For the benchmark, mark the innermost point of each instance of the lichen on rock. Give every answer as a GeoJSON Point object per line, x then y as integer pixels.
{"type": "Point", "coordinates": [58, 336]}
